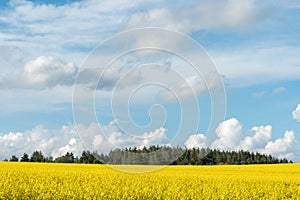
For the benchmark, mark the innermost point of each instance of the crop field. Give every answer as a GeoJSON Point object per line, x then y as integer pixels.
{"type": "Point", "coordinates": [80, 181]}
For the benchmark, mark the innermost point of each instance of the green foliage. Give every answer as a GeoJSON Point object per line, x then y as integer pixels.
{"type": "Point", "coordinates": [49, 159]}
{"type": "Point", "coordinates": [88, 157]}
{"type": "Point", "coordinates": [25, 158]}
{"type": "Point", "coordinates": [157, 155]}
{"type": "Point", "coordinates": [14, 158]}
{"type": "Point", "coordinates": [67, 158]}
{"type": "Point", "coordinates": [179, 156]}
{"type": "Point", "coordinates": [37, 156]}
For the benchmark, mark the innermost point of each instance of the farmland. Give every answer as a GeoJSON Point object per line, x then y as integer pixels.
{"type": "Point", "coordinates": [81, 181]}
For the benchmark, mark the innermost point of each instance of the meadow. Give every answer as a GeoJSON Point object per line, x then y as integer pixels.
{"type": "Point", "coordinates": [83, 181]}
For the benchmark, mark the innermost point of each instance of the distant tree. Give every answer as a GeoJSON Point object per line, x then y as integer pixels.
{"type": "Point", "coordinates": [67, 158]}
{"type": "Point", "coordinates": [25, 158]}
{"type": "Point", "coordinates": [87, 157]}
{"type": "Point", "coordinates": [156, 155]}
{"type": "Point", "coordinates": [14, 158]}
{"type": "Point", "coordinates": [37, 156]}
{"type": "Point", "coordinates": [84, 157]}
{"type": "Point", "coordinates": [164, 155]}
{"type": "Point", "coordinates": [49, 159]}
{"type": "Point", "coordinates": [97, 161]}
{"type": "Point", "coordinates": [76, 160]}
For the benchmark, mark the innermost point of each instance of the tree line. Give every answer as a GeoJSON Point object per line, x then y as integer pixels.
{"type": "Point", "coordinates": [37, 156]}
{"type": "Point", "coordinates": [158, 155]}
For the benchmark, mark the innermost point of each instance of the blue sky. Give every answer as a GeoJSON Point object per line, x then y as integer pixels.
{"type": "Point", "coordinates": [45, 44]}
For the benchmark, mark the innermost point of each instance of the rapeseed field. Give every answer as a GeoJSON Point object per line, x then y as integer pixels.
{"type": "Point", "coordinates": [82, 181]}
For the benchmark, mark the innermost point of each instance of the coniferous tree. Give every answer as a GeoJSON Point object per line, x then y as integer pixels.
{"type": "Point", "coordinates": [37, 156]}
{"type": "Point", "coordinates": [14, 158]}
{"type": "Point", "coordinates": [25, 158]}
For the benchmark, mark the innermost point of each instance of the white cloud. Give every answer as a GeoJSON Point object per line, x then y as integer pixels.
{"type": "Point", "coordinates": [260, 137]}
{"type": "Point", "coordinates": [127, 77]}
{"type": "Point", "coordinates": [158, 136]}
{"type": "Point", "coordinates": [196, 141]}
{"type": "Point", "coordinates": [119, 139]}
{"type": "Point", "coordinates": [69, 30]}
{"type": "Point", "coordinates": [42, 73]}
{"type": "Point", "coordinates": [38, 138]}
{"type": "Point", "coordinates": [103, 138]}
{"type": "Point", "coordinates": [210, 14]}
{"type": "Point", "coordinates": [93, 137]}
{"type": "Point", "coordinates": [229, 134]}
{"type": "Point", "coordinates": [279, 90]}
{"type": "Point", "coordinates": [191, 86]}
{"type": "Point", "coordinates": [77, 27]}
{"type": "Point", "coordinates": [281, 146]}
{"type": "Point", "coordinates": [296, 113]}
{"type": "Point", "coordinates": [48, 72]}
{"type": "Point", "coordinates": [230, 138]}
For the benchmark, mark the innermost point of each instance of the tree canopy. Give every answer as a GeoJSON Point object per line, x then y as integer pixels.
{"type": "Point", "coordinates": [158, 155]}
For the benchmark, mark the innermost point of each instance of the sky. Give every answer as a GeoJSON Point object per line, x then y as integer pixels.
{"type": "Point", "coordinates": [98, 75]}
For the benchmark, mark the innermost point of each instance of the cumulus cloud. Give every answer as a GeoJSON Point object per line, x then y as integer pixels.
{"type": "Point", "coordinates": [258, 139]}
{"type": "Point", "coordinates": [50, 142]}
{"type": "Point", "coordinates": [196, 141]}
{"type": "Point", "coordinates": [280, 146]}
{"type": "Point", "coordinates": [93, 137]}
{"type": "Point", "coordinates": [42, 73]}
{"type": "Point", "coordinates": [73, 146]}
{"type": "Point", "coordinates": [103, 138]}
{"type": "Point", "coordinates": [229, 134]}
{"type": "Point", "coordinates": [158, 136]}
{"type": "Point", "coordinates": [75, 28]}
{"type": "Point", "coordinates": [296, 113]}
{"type": "Point", "coordinates": [48, 72]}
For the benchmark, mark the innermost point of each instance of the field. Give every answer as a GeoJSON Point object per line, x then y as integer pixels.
{"type": "Point", "coordinates": [79, 181]}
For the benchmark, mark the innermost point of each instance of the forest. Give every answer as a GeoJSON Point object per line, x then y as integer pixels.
{"type": "Point", "coordinates": [158, 155]}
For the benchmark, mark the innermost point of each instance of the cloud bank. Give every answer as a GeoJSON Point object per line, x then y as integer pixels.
{"type": "Point", "coordinates": [41, 73]}
{"type": "Point", "coordinates": [258, 139]}
{"type": "Point", "coordinates": [106, 137]}
{"type": "Point", "coordinates": [296, 113]}
{"type": "Point", "coordinates": [71, 30]}
{"type": "Point", "coordinates": [58, 142]}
